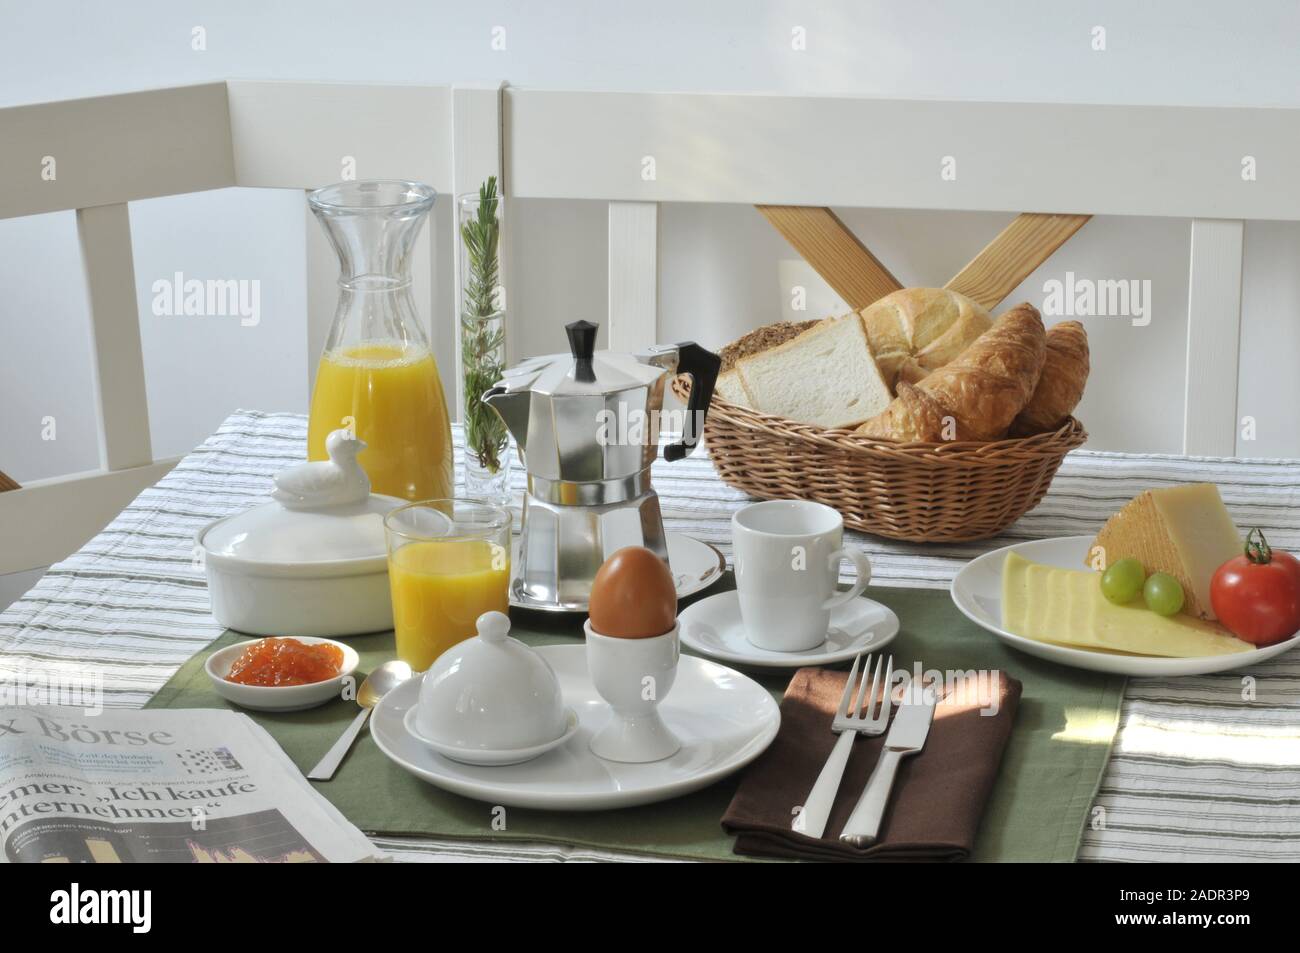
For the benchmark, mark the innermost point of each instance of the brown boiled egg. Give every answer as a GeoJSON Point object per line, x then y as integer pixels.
{"type": "Point", "coordinates": [633, 596]}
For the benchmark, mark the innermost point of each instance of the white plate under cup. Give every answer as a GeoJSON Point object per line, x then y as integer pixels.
{"type": "Point", "coordinates": [787, 555]}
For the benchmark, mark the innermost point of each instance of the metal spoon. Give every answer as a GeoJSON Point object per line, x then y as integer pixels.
{"type": "Point", "coordinates": [377, 684]}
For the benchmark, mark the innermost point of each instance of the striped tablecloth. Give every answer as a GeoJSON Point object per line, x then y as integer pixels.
{"type": "Point", "coordinates": [1204, 768]}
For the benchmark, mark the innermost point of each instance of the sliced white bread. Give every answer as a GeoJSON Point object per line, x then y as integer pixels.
{"type": "Point", "coordinates": [826, 376]}
{"type": "Point", "coordinates": [732, 389]}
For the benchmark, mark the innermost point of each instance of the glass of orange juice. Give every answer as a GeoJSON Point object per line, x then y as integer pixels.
{"type": "Point", "coordinates": [448, 563]}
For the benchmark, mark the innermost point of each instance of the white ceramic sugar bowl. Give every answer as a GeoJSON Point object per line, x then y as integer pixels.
{"type": "Point", "coordinates": [491, 700]}
{"type": "Point", "coordinates": [312, 561]}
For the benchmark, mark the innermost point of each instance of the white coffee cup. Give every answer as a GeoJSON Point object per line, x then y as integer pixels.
{"type": "Point", "coordinates": [787, 555]}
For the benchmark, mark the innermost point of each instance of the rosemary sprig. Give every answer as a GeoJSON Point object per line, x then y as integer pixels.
{"type": "Point", "coordinates": [482, 329]}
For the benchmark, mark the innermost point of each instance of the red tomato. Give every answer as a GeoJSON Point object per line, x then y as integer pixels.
{"type": "Point", "coordinates": [1257, 594]}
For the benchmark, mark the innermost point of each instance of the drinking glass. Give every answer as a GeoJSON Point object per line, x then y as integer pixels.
{"type": "Point", "coordinates": [448, 563]}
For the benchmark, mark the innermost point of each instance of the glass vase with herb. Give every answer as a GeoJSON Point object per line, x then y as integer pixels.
{"type": "Point", "coordinates": [483, 343]}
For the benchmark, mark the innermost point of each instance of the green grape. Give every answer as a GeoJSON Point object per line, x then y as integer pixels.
{"type": "Point", "coordinates": [1122, 580]}
{"type": "Point", "coordinates": [1163, 593]}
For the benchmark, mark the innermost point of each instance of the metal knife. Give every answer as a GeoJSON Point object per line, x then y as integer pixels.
{"type": "Point", "coordinates": [906, 736]}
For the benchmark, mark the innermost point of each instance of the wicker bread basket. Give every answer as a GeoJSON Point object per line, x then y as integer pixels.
{"type": "Point", "coordinates": [920, 492]}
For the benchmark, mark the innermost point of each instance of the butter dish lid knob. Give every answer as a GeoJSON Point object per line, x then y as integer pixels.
{"type": "Point", "coordinates": [493, 627]}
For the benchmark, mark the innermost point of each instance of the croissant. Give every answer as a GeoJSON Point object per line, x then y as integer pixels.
{"type": "Point", "coordinates": [1065, 372]}
{"type": "Point", "coordinates": [984, 387]}
{"type": "Point", "coordinates": [914, 416]}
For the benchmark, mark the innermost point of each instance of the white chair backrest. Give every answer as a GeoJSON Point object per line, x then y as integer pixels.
{"type": "Point", "coordinates": [634, 150]}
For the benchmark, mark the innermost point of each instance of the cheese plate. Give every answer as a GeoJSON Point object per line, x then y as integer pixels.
{"type": "Point", "coordinates": [977, 592]}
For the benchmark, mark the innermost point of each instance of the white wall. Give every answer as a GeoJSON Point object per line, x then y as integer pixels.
{"type": "Point", "coordinates": [720, 263]}
{"type": "Point", "coordinates": [1190, 52]}
{"type": "Point", "coordinates": [1269, 386]}
{"type": "Point", "coordinates": [198, 369]}
{"type": "Point", "coordinates": [44, 350]}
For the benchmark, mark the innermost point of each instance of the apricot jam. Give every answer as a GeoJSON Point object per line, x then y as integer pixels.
{"type": "Point", "coordinates": [278, 661]}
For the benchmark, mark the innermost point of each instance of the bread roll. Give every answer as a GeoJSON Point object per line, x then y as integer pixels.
{"type": "Point", "coordinates": [916, 330]}
{"type": "Point", "coordinates": [1065, 372]}
{"type": "Point", "coordinates": [985, 387]}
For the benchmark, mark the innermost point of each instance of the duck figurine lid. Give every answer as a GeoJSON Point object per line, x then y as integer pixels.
{"type": "Point", "coordinates": [338, 481]}
{"type": "Point", "coordinates": [321, 511]}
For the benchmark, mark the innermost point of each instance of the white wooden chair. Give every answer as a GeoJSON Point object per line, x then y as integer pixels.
{"type": "Point", "coordinates": [634, 150]}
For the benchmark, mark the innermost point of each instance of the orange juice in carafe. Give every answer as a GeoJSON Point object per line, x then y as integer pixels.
{"type": "Point", "coordinates": [377, 375]}
{"type": "Point", "coordinates": [390, 394]}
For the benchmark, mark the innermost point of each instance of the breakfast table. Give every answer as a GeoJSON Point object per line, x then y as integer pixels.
{"type": "Point", "coordinates": [1199, 768]}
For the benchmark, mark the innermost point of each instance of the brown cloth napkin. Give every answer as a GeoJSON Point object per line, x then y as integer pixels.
{"type": "Point", "coordinates": [939, 794]}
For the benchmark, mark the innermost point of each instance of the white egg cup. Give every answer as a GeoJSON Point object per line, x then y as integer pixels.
{"type": "Point", "coordinates": [633, 676]}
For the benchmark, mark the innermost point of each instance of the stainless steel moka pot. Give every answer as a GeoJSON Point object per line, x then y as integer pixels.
{"type": "Point", "coordinates": [587, 426]}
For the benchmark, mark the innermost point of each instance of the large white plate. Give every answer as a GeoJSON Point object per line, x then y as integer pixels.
{"type": "Point", "coordinates": [724, 720]}
{"type": "Point", "coordinates": [977, 591]}
{"type": "Point", "coordinates": [696, 566]}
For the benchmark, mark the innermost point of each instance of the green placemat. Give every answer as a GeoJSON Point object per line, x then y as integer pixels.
{"type": "Point", "coordinates": [1049, 777]}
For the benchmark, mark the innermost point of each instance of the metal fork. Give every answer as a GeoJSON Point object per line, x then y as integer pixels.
{"type": "Point", "coordinates": [849, 722]}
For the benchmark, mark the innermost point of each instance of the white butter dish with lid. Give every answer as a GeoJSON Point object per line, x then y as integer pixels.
{"type": "Point", "coordinates": [491, 700]}
{"type": "Point", "coordinates": [311, 562]}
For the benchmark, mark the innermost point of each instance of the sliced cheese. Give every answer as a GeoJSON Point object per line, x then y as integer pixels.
{"type": "Point", "coordinates": [1016, 593]}
{"type": "Point", "coordinates": [1066, 607]}
{"type": "Point", "coordinates": [1184, 531]}
{"type": "Point", "coordinates": [1047, 600]}
{"type": "Point", "coordinates": [1135, 628]}
{"type": "Point", "coordinates": [1069, 624]}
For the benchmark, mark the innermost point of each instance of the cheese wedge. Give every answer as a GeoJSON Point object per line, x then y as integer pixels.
{"type": "Point", "coordinates": [1066, 607]}
{"type": "Point", "coordinates": [1184, 531]}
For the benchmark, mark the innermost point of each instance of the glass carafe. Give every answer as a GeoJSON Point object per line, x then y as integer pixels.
{"type": "Point", "coordinates": [377, 375]}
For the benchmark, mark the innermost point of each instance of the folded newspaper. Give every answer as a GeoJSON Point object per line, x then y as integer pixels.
{"type": "Point", "coordinates": [176, 786]}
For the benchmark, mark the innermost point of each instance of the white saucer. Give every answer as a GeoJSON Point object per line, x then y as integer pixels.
{"type": "Point", "coordinates": [488, 756]}
{"type": "Point", "coordinates": [713, 627]}
{"type": "Point", "coordinates": [695, 565]}
{"type": "Point", "coordinates": [977, 591]}
{"type": "Point", "coordinates": [724, 720]}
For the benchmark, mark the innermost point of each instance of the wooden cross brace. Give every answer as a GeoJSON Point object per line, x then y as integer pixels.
{"type": "Point", "coordinates": [859, 278]}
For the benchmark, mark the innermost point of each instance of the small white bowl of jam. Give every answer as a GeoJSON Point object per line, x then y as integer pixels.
{"type": "Point", "coordinates": [282, 674]}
